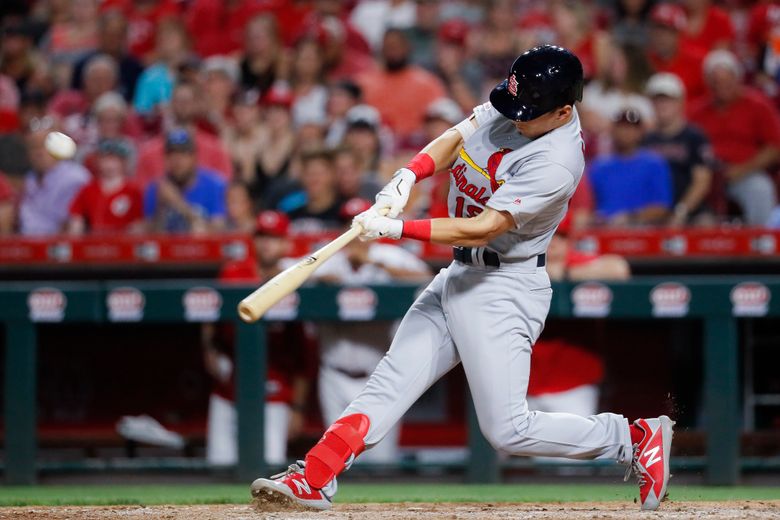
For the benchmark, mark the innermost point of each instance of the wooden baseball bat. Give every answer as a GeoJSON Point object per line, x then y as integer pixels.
{"type": "Point", "coordinates": [256, 304]}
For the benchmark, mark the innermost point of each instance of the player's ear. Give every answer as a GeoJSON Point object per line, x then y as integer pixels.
{"type": "Point", "coordinates": [564, 112]}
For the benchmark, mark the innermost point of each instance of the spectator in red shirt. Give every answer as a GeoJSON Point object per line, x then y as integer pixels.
{"type": "Point", "coordinates": [7, 206]}
{"type": "Point", "coordinates": [709, 27]}
{"type": "Point", "coordinates": [109, 203]}
{"type": "Point", "coordinates": [400, 91]}
{"type": "Point", "coordinates": [185, 108]}
{"type": "Point", "coordinates": [744, 129]}
{"type": "Point", "coordinates": [219, 77]}
{"type": "Point", "coordinates": [667, 51]}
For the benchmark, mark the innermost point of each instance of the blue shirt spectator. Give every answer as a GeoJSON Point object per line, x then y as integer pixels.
{"type": "Point", "coordinates": [632, 186]}
{"type": "Point", "coordinates": [205, 196]}
{"type": "Point", "coordinates": [189, 198]}
{"type": "Point", "coordinates": [628, 184]}
{"type": "Point", "coordinates": [154, 87]}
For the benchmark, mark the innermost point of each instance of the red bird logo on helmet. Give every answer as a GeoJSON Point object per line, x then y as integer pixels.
{"type": "Point", "coordinates": [512, 85]}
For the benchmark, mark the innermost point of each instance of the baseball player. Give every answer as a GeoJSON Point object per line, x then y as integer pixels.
{"type": "Point", "coordinates": [514, 164]}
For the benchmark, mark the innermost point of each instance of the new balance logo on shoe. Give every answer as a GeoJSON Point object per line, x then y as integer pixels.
{"type": "Point", "coordinates": [302, 485]}
{"type": "Point", "coordinates": [652, 457]}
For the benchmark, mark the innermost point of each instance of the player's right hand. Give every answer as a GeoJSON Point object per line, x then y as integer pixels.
{"type": "Point", "coordinates": [395, 194]}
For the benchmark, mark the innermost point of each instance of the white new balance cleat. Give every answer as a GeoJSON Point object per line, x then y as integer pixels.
{"type": "Point", "coordinates": [289, 490]}
{"type": "Point", "coordinates": [650, 462]}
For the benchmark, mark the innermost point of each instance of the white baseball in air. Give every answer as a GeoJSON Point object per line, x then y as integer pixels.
{"type": "Point", "coordinates": [60, 146]}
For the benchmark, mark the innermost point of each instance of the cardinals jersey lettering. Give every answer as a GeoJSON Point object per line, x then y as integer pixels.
{"type": "Point", "coordinates": [533, 180]}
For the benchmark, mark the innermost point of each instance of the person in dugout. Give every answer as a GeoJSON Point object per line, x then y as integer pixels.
{"type": "Point", "coordinates": [291, 364]}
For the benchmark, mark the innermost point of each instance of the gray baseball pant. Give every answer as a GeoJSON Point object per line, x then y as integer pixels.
{"type": "Point", "coordinates": [488, 319]}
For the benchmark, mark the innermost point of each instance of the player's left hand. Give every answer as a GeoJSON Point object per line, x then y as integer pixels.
{"type": "Point", "coordinates": [395, 194]}
{"type": "Point", "coordinates": [376, 226]}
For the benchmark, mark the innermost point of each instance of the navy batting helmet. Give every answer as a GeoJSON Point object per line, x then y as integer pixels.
{"type": "Point", "coordinates": [541, 79]}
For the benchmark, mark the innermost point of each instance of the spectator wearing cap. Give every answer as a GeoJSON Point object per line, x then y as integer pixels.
{"type": "Point", "coordinates": [112, 41]}
{"type": "Point", "coordinates": [709, 27]}
{"type": "Point", "coordinates": [189, 198]}
{"type": "Point", "coordinates": [461, 74]}
{"type": "Point", "coordinates": [685, 148]}
{"type": "Point", "coordinates": [155, 85]}
{"type": "Point", "coordinates": [184, 112]}
{"type": "Point", "coordinates": [349, 351]}
{"type": "Point", "coordinates": [363, 137]}
{"type": "Point", "coordinates": [342, 96]}
{"type": "Point", "coordinates": [400, 91]}
{"type": "Point", "coordinates": [316, 206]}
{"type": "Point", "coordinates": [352, 181]}
{"type": "Point", "coordinates": [744, 129]}
{"type": "Point", "coordinates": [7, 206]}
{"type": "Point", "coordinates": [110, 118]}
{"type": "Point", "coordinates": [668, 52]}
{"type": "Point", "coordinates": [291, 358]}
{"type": "Point", "coordinates": [49, 188]}
{"type": "Point", "coordinates": [633, 186]}
{"type": "Point", "coordinates": [109, 203]}
{"type": "Point", "coordinates": [220, 79]}
{"type": "Point", "coordinates": [345, 52]}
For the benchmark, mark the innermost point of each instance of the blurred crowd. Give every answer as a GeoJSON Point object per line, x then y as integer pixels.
{"type": "Point", "coordinates": [194, 115]}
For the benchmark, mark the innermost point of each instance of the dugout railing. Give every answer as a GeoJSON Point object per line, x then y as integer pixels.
{"type": "Point", "coordinates": [717, 302]}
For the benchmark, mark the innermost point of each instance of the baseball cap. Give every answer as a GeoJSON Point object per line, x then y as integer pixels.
{"type": "Point", "coordinates": [628, 115]}
{"type": "Point", "coordinates": [179, 140]}
{"type": "Point", "coordinates": [665, 84]}
{"type": "Point", "coordinates": [221, 65]}
{"type": "Point", "coordinates": [722, 58]}
{"type": "Point", "coordinates": [363, 116]}
{"type": "Point", "coordinates": [354, 207]}
{"type": "Point", "coordinates": [445, 109]}
{"type": "Point", "coordinates": [113, 147]}
{"type": "Point", "coordinates": [278, 96]}
{"type": "Point", "coordinates": [669, 15]}
{"type": "Point", "coordinates": [273, 223]}
{"type": "Point", "coordinates": [454, 31]}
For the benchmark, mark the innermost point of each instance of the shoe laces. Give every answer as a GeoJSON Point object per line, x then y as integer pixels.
{"type": "Point", "coordinates": [295, 467]}
{"type": "Point", "coordinates": [635, 468]}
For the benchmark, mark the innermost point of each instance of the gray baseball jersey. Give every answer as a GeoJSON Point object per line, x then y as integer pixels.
{"type": "Point", "coordinates": [488, 318]}
{"type": "Point", "coordinates": [531, 179]}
